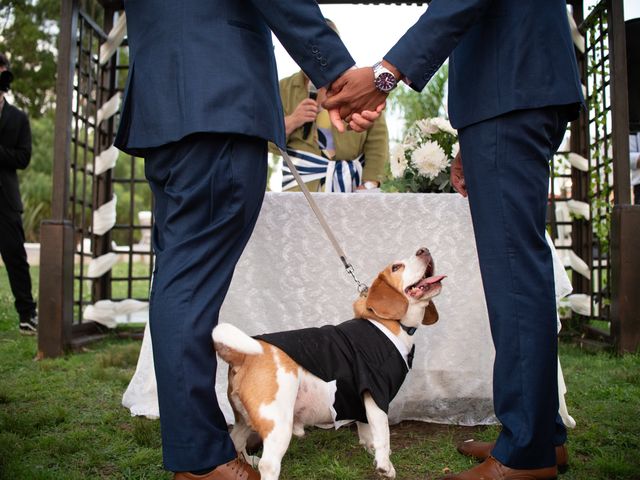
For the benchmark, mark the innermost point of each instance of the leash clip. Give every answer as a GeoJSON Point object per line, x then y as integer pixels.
{"type": "Point", "coordinates": [362, 288]}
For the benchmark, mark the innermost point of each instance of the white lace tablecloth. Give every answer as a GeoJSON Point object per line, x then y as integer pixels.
{"type": "Point", "coordinates": [290, 277]}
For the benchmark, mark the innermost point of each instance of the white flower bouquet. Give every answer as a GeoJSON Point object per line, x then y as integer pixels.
{"type": "Point", "coordinates": [422, 162]}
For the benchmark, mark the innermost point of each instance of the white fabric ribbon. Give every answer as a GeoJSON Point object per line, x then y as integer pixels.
{"type": "Point", "coordinates": [109, 109]}
{"type": "Point", "coordinates": [105, 161]}
{"type": "Point", "coordinates": [581, 304]}
{"type": "Point", "coordinates": [114, 39]}
{"type": "Point", "coordinates": [110, 313]}
{"type": "Point", "coordinates": [341, 175]}
{"type": "Point", "coordinates": [579, 162]}
{"type": "Point", "coordinates": [100, 265]}
{"type": "Point", "coordinates": [563, 288]}
{"type": "Point", "coordinates": [104, 218]}
{"type": "Point", "coordinates": [580, 209]}
{"type": "Point", "coordinates": [576, 36]}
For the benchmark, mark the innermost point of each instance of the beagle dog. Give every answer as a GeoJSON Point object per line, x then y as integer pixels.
{"type": "Point", "coordinates": [333, 375]}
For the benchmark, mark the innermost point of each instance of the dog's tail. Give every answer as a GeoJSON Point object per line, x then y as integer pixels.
{"type": "Point", "coordinates": [232, 344]}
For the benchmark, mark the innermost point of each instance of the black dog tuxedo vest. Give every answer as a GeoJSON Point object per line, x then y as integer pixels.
{"type": "Point", "coordinates": [355, 354]}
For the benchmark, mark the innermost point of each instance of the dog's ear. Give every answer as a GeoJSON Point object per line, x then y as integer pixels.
{"type": "Point", "coordinates": [360, 308]}
{"type": "Point", "coordinates": [385, 301]}
{"type": "Point", "coordinates": [430, 314]}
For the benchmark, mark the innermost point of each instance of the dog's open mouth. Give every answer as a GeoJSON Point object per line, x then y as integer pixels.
{"type": "Point", "coordinates": [427, 283]}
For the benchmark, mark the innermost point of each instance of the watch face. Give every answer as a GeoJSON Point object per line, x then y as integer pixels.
{"type": "Point", "coordinates": [385, 82]}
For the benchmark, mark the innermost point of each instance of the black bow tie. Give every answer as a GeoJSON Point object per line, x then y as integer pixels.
{"type": "Point", "coordinates": [410, 330]}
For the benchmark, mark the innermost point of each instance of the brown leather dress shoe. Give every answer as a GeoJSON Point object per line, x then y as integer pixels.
{"type": "Point", "coordinates": [236, 469]}
{"type": "Point", "coordinates": [482, 450]}
{"type": "Point", "coordinates": [492, 469]}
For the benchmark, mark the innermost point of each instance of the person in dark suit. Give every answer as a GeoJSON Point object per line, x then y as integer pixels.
{"type": "Point", "coordinates": [513, 86]}
{"type": "Point", "coordinates": [15, 154]}
{"type": "Point", "coordinates": [200, 105]}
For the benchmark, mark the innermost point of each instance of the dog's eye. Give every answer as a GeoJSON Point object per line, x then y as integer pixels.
{"type": "Point", "coordinates": [396, 267]}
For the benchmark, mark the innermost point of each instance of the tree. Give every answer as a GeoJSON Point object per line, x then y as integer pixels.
{"type": "Point", "coordinates": [427, 104]}
{"type": "Point", "coordinates": [28, 32]}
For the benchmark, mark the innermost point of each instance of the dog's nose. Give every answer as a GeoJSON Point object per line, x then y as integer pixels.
{"type": "Point", "coordinates": [423, 252]}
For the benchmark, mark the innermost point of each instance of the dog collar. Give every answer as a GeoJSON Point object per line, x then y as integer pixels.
{"type": "Point", "coordinates": [410, 330]}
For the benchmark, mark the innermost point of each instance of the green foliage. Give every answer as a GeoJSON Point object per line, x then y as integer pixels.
{"type": "Point", "coordinates": [28, 30]}
{"type": "Point", "coordinates": [413, 106]}
{"type": "Point", "coordinates": [601, 168]}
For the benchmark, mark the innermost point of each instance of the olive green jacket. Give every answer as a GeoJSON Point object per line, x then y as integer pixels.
{"type": "Point", "coordinates": [374, 143]}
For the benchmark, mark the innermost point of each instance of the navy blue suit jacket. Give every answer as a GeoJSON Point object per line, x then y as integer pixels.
{"type": "Point", "coordinates": [505, 55]}
{"type": "Point", "coordinates": [209, 66]}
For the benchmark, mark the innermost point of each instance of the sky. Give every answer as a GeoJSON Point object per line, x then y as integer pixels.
{"type": "Point", "coordinates": [369, 31]}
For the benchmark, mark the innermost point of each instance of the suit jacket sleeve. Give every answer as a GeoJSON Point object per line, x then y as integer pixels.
{"type": "Point", "coordinates": [285, 87]}
{"type": "Point", "coordinates": [426, 45]}
{"type": "Point", "coordinates": [17, 155]}
{"type": "Point", "coordinates": [304, 33]}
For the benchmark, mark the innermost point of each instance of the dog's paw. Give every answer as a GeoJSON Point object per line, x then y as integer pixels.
{"type": "Point", "coordinates": [368, 446]}
{"type": "Point", "coordinates": [386, 469]}
{"type": "Point", "coordinates": [298, 430]}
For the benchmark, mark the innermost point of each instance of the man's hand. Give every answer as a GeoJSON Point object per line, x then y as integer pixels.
{"type": "Point", "coordinates": [354, 93]}
{"type": "Point", "coordinates": [306, 111]}
{"type": "Point", "coordinates": [457, 176]}
{"type": "Point", "coordinates": [359, 122]}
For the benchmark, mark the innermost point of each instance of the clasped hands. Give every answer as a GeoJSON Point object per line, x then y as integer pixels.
{"type": "Point", "coordinates": [353, 98]}
{"type": "Point", "coordinates": [353, 101]}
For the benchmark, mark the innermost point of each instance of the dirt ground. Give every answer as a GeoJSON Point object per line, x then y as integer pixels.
{"type": "Point", "coordinates": [407, 432]}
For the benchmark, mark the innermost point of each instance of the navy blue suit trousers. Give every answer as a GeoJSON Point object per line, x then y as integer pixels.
{"type": "Point", "coordinates": [208, 189]}
{"type": "Point", "coordinates": [506, 168]}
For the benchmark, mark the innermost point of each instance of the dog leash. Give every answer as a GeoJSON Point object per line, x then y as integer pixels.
{"type": "Point", "coordinates": [362, 288]}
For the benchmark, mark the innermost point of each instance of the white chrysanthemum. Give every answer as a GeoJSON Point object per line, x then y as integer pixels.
{"type": "Point", "coordinates": [411, 140]}
{"type": "Point", "coordinates": [429, 159]}
{"type": "Point", "coordinates": [398, 162]}
{"type": "Point", "coordinates": [443, 125]}
{"type": "Point", "coordinates": [427, 126]}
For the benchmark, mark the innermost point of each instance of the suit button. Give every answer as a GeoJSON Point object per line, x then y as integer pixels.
{"type": "Point", "coordinates": [314, 49]}
{"type": "Point", "coordinates": [323, 62]}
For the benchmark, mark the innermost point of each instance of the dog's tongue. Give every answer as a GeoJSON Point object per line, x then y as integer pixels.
{"type": "Point", "coordinates": [435, 279]}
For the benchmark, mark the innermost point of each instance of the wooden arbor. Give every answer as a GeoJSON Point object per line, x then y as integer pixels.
{"type": "Point", "coordinates": [78, 241]}
{"type": "Point", "coordinates": [92, 67]}
{"type": "Point", "coordinates": [607, 240]}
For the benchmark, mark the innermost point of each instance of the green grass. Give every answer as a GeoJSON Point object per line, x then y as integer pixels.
{"type": "Point", "coordinates": [62, 419]}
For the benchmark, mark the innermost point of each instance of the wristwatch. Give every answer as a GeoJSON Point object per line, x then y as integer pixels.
{"type": "Point", "coordinates": [384, 80]}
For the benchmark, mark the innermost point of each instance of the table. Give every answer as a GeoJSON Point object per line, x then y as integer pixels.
{"type": "Point", "coordinates": [290, 277]}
